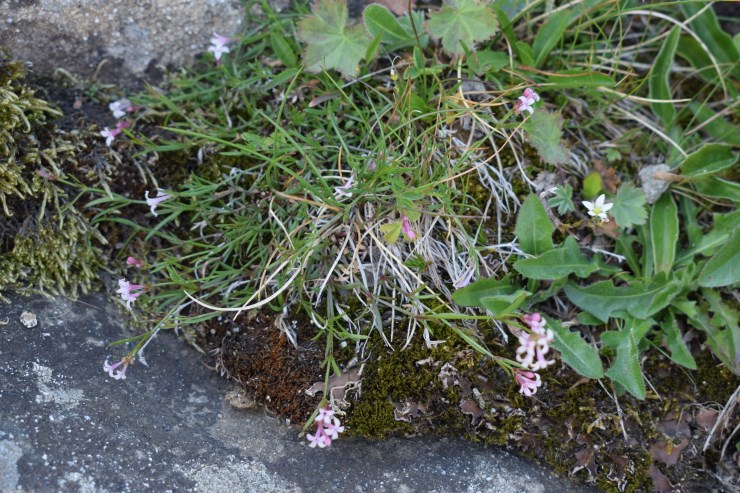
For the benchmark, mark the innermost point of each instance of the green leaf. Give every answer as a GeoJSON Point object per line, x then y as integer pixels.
{"type": "Point", "coordinates": [714, 125]}
{"type": "Point", "coordinates": [592, 185]}
{"type": "Point", "coordinates": [557, 263]}
{"type": "Point", "coordinates": [550, 35]}
{"type": "Point", "coordinates": [707, 28]}
{"type": "Point", "coordinates": [563, 199]}
{"type": "Point", "coordinates": [466, 21]}
{"type": "Point", "coordinates": [629, 206]}
{"type": "Point", "coordinates": [526, 53]}
{"type": "Point", "coordinates": [283, 50]}
{"type": "Point", "coordinates": [626, 366]}
{"type": "Point", "coordinates": [664, 233]}
{"type": "Point", "coordinates": [709, 160]}
{"type": "Point", "coordinates": [533, 227]}
{"type": "Point", "coordinates": [724, 226]}
{"type": "Point", "coordinates": [659, 82]}
{"type": "Point", "coordinates": [711, 186]}
{"type": "Point", "coordinates": [504, 304]}
{"type": "Point", "coordinates": [379, 21]}
{"type": "Point", "coordinates": [579, 79]}
{"type": "Point", "coordinates": [473, 294]}
{"type": "Point", "coordinates": [487, 61]}
{"type": "Point", "coordinates": [391, 232]}
{"type": "Point", "coordinates": [641, 299]}
{"type": "Point", "coordinates": [680, 354]}
{"type": "Point", "coordinates": [724, 268]}
{"type": "Point", "coordinates": [544, 130]}
{"type": "Point", "coordinates": [576, 352]}
{"type": "Point", "coordinates": [330, 42]}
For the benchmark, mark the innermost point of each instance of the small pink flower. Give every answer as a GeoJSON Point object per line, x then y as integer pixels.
{"type": "Point", "coordinates": [528, 381]}
{"type": "Point", "coordinates": [120, 107]}
{"type": "Point", "coordinates": [218, 46]}
{"type": "Point", "coordinates": [129, 292]}
{"type": "Point", "coordinates": [534, 345]}
{"type": "Point", "coordinates": [152, 202]}
{"type": "Point", "coordinates": [46, 175]}
{"type": "Point", "coordinates": [112, 369]}
{"type": "Point", "coordinates": [526, 101]}
{"type": "Point", "coordinates": [408, 231]}
{"type": "Point", "coordinates": [342, 191]}
{"type": "Point", "coordinates": [334, 428]}
{"type": "Point", "coordinates": [320, 438]}
{"type": "Point", "coordinates": [464, 278]}
{"type": "Point", "coordinates": [328, 428]}
{"type": "Point", "coordinates": [110, 135]}
{"type": "Point", "coordinates": [134, 262]}
{"type": "Point", "coordinates": [325, 415]}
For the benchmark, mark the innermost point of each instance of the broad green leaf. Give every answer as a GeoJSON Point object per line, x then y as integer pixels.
{"type": "Point", "coordinates": [585, 318]}
{"type": "Point", "coordinates": [526, 53]}
{"type": "Point", "coordinates": [550, 35]}
{"type": "Point", "coordinates": [379, 21]}
{"type": "Point", "coordinates": [576, 352]}
{"type": "Point", "coordinates": [680, 354]}
{"type": "Point", "coordinates": [506, 28]}
{"type": "Point", "coordinates": [391, 231]}
{"type": "Point", "coordinates": [544, 130]}
{"type": "Point", "coordinates": [714, 125]}
{"type": "Point", "coordinates": [473, 294]}
{"type": "Point", "coordinates": [709, 160]}
{"type": "Point", "coordinates": [579, 79]}
{"type": "Point", "coordinates": [724, 226]}
{"type": "Point", "coordinates": [488, 61]}
{"type": "Point", "coordinates": [462, 21]}
{"type": "Point", "coordinates": [624, 247]}
{"type": "Point", "coordinates": [419, 18]}
{"type": "Point", "coordinates": [707, 28]}
{"type": "Point", "coordinates": [641, 299]}
{"type": "Point", "coordinates": [592, 185]}
{"type": "Point", "coordinates": [283, 50]}
{"type": "Point", "coordinates": [563, 199]}
{"type": "Point", "coordinates": [504, 304]}
{"type": "Point", "coordinates": [626, 366]}
{"type": "Point", "coordinates": [664, 233]}
{"type": "Point", "coordinates": [659, 82]}
{"type": "Point", "coordinates": [557, 263]}
{"type": "Point", "coordinates": [717, 188]}
{"type": "Point", "coordinates": [629, 206]}
{"type": "Point", "coordinates": [723, 339]}
{"type": "Point", "coordinates": [724, 268]}
{"type": "Point", "coordinates": [330, 43]}
{"type": "Point", "coordinates": [533, 228]}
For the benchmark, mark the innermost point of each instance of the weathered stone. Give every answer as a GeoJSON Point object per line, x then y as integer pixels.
{"type": "Point", "coordinates": [133, 38]}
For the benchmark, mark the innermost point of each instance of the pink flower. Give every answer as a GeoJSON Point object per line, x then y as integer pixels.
{"type": "Point", "coordinates": [325, 415]}
{"type": "Point", "coordinates": [218, 46]}
{"type": "Point", "coordinates": [110, 135]}
{"type": "Point", "coordinates": [320, 438]}
{"type": "Point", "coordinates": [534, 345]}
{"type": "Point", "coordinates": [152, 202]}
{"type": "Point", "coordinates": [528, 381]}
{"type": "Point", "coordinates": [526, 101]}
{"type": "Point", "coordinates": [334, 428]}
{"type": "Point", "coordinates": [117, 374]}
{"type": "Point", "coordinates": [120, 107]}
{"type": "Point", "coordinates": [129, 292]}
{"type": "Point", "coordinates": [134, 262]}
{"type": "Point", "coordinates": [464, 278]}
{"type": "Point", "coordinates": [341, 191]}
{"type": "Point", "coordinates": [328, 428]}
{"type": "Point", "coordinates": [407, 229]}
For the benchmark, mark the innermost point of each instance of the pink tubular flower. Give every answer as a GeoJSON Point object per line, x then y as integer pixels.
{"type": "Point", "coordinates": [534, 345]}
{"type": "Point", "coordinates": [342, 191]}
{"type": "Point", "coordinates": [526, 101]}
{"type": "Point", "coordinates": [120, 107]}
{"type": "Point", "coordinates": [328, 428]}
{"type": "Point", "coordinates": [129, 292]}
{"type": "Point", "coordinates": [152, 202]}
{"type": "Point", "coordinates": [528, 381]}
{"type": "Point", "coordinates": [112, 369]}
{"type": "Point", "coordinates": [218, 46]}
{"type": "Point", "coordinates": [407, 229]}
{"type": "Point", "coordinates": [134, 262]}
{"type": "Point", "coordinates": [110, 135]}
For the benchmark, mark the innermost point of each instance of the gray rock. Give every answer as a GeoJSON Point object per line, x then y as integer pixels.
{"type": "Point", "coordinates": [132, 37]}
{"type": "Point", "coordinates": [66, 425]}
{"type": "Point", "coordinates": [652, 186]}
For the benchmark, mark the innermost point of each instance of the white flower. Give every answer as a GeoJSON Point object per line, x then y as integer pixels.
{"type": "Point", "coordinates": [120, 107]}
{"type": "Point", "coordinates": [598, 208]}
{"type": "Point", "coordinates": [526, 101]}
{"type": "Point", "coordinates": [218, 46]}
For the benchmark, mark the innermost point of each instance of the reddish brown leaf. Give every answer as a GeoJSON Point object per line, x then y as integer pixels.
{"type": "Point", "coordinates": [706, 419]}
{"type": "Point", "coordinates": [467, 406]}
{"type": "Point", "coordinates": [660, 480]}
{"type": "Point", "coordinates": [666, 452]}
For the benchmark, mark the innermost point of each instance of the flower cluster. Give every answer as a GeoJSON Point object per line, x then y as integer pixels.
{"type": "Point", "coordinates": [119, 109]}
{"type": "Point", "coordinates": [328, 428]}
{"type": "Point", "coordinates": [599, 208]}
{"type": "Point", "coordinates": [535, 344]}
{"type": "Point", "coordinates": [129, 292]}
{"type": "Point", "coordinates": [218, 46]}
{"type": "Point", "coordinates": [526, 102]}
{"type": "Point", "coordinates": [113, 370]}
{"type": "Point", "coordinates": [528, 381]}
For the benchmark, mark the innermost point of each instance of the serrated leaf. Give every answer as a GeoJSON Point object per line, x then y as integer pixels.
{"type": "Point", "coordinates": [462, 21]}
{"type": "Point", "coordinates": [391, 232]}
{"type": "Point", "coordinates": [563, 200]}
{"type": "Point", "coordinates": [544, 130]}
{"type": "Point", "coordinates": [658, 83]}
{"type": "Point", "coordinates": [557, 263]}
{"type": "Point", "coordinates": [550, 35]}
{"type": "Point", "coordinates": [723, 269]}
{"type": "Point", "coordinates": [576, 352]}
{"type": "Point", "coordinates": [379, 21]}
{"type": "Point", "coordinates": [680, 353]}
{"type": "Point", "coordinates": [641, 299]}
{"type": "Point", "coordinates": [473, 294]}
{"type": "Point", "coordinates": [664, 233]}
{"type": "Point", "coordinates": [629, 206]}
{"type": "Point", "coordinates": [331, 44]}
{"type": "Point", "coordinates": [533, 227]}
{"type": "Point", "coordinates": [709, 160]}
{"type": "Point", "coordinates": [626, 366]}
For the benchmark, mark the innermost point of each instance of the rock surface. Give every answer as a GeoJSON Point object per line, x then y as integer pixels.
{"type": "Point", "coordinates": [133, 38]}
{"type": "Point", "coordinates": [66, 426]}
